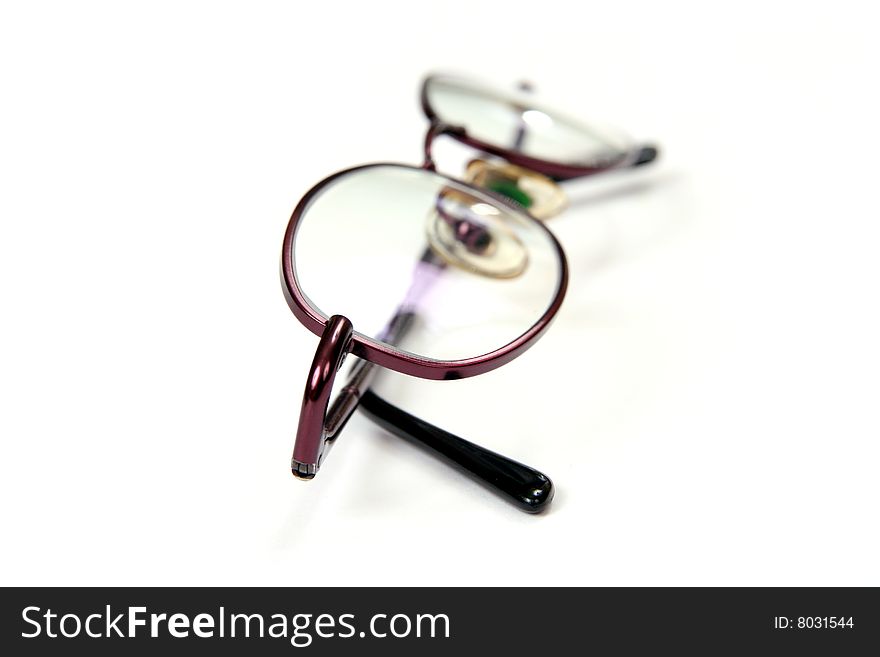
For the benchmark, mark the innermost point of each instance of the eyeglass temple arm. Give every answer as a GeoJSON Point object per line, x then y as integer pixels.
{"type": "Point", "coordinates": [635, 157]}
{"type": "Point", "coordinates": [520, 484]}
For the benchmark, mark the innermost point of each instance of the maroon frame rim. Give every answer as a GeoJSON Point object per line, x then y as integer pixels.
{"type": "Point", "coordinates": [384, 355]}
{"type": "Point", "coordinates": [557, 170]}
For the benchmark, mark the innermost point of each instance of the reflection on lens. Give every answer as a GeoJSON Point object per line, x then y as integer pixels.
{"type": "Point", "coordinates": [513, 122]}
{"type": "Point", "coordinates": [376, 243]}
{"type": "Point", "coordinates": [469, 233]}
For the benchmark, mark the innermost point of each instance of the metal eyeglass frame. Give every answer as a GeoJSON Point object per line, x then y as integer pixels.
{"type": "Point", "coordinates": [320, 423]}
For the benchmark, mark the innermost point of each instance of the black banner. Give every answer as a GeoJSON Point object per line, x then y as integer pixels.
{"type": "Point", "coordinates": [113, 621]}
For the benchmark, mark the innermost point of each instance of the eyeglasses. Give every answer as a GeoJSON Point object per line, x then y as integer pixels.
{"type": "Point", "coordinates": [408, 269]}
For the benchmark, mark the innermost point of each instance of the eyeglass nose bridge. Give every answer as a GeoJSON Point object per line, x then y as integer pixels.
{"type": "Point", "coordinates": [314, 433]}
{"type": "Point", "coordinates": [435, 129]}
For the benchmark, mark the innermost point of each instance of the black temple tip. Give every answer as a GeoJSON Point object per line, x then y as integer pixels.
{"type": "Point", "coordinates": [538, 498]}
{"type": "Point", "coordinates": [645, 155]}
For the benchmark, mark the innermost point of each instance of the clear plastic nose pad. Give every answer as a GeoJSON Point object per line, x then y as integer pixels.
{"type": "Point", "coordinates": [471, 234]}
{"type": "Point", "coordinates": [537, 193]}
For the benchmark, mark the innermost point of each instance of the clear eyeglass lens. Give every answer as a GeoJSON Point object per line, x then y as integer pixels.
{"type": "Point", "coordinates": [512, 121]}
{"type": "Point", "coordinates": [471, 273]}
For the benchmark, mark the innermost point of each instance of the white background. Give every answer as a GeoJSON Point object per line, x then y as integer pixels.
{"type": "Point", "coordinates": [706, 401]}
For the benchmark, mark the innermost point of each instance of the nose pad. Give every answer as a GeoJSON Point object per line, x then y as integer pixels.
{"type": "Point", "coordinates": [537, 193]}
{"type": "Point", "coordinates": [471, 234]}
